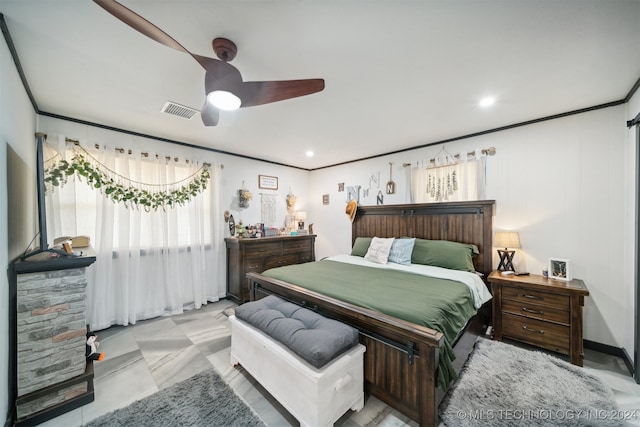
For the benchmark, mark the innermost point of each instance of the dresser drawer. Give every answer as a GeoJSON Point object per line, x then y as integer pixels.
{"type": "Point", "coordinates": [273, 262]}
{"type": "Point", "coordinates": [560, 302]}
{"type": "Point", "coordinates": [535, 311]}
{"type": "Point", "coordinates": [254, 265]}
{"type": "Point", "coordinates": [296, 246]}
{"type": "Point", "coordinates": [536, 332]}
{"type": "Point", "coordinates": [262, 249]}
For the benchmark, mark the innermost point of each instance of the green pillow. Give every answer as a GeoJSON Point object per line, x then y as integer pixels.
{"type": "Point", "coordinates": [361, 246]}
{"type": "Point", "coordinates": [445, 254]}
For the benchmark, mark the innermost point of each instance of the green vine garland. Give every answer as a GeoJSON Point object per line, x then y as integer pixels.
{"type": "Point", "coordinates": [58, 175]}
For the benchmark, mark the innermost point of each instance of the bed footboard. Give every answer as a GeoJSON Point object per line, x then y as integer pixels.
{"type": "Point", "coordinates": [401, 359]}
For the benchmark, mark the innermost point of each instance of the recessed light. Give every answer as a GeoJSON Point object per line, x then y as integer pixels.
{"type": "Point", "coordinates": [309, 153]}
{"type": "Point", "coordinates": [487, 101]}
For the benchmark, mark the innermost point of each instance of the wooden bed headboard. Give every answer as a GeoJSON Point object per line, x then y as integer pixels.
{"type": "Point", "coordinates": [465, 222]}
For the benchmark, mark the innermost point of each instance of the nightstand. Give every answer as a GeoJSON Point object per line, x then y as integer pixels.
{"type": "Point", "coordinates": [539, 311]}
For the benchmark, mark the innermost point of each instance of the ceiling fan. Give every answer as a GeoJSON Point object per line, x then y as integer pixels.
{"type": "Point", "coordinates": [224, 87]}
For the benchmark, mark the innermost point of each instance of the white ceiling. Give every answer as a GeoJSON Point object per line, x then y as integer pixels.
{"type": "Point", "coordinates": [398, 74]}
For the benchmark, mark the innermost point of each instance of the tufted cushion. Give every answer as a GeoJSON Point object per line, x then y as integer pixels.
{"type": "Point", "coordinates": [315, 338]}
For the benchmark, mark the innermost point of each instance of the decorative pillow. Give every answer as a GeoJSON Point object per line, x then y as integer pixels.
{"type": "Point", "coordinates": [445, 254]}
{"type": "Point", "coordinates": [379, 250]}
{"type": "Point", "coordinates": [401, 251]}
{"type": "Point", "coordinates": [361, 246]}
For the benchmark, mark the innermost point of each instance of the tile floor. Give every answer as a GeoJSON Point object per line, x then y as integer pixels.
{"type": "Point", "coordinates": [154, 354]}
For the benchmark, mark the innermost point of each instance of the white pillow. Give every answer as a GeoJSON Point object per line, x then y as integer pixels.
{"type": "Point", "coordinates": [379, 250]}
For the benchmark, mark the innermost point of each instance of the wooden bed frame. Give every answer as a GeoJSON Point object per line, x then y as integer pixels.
{"type": "Point", "coordinates": [401, 357]}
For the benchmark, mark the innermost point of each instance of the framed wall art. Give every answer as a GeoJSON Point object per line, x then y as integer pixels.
{"type": "Point", "coordinates": [267, 182]}
{"type": "Point", "coordinates": [560, 269]}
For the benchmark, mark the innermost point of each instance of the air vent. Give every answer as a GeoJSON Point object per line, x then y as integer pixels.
{"type": "Point", "coordinates": [178, 110]}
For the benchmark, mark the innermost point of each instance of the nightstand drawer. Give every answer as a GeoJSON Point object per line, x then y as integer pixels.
{"type": "Point", "coordinates": [524, 295]}
{"type": "Point", "coordinates": [296, 246]}
{"type": "Point", "coordinates": [535, 311]}
{"type": "Point", "coordinates": [536, 332]}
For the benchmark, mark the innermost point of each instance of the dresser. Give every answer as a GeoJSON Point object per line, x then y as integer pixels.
{"type": "Point", "coordinates": [539, 311]}
{"type": "Point", "coordinates": [255, 255]}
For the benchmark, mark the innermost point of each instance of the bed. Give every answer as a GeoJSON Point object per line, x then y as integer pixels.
{"type": "Point", "coordinates": [404, 359]}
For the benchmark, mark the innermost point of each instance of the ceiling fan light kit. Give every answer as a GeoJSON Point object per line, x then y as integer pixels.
{"type": "Point", "coordinates": [224, 87]}
{"type": "Point", "coordinates": [224, 100]}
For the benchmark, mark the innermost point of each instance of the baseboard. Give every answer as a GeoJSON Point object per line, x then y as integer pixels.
{"type": "Point", "coordinates": [612, 351]}
{"type": "Point", "coordinates": [11, 417]}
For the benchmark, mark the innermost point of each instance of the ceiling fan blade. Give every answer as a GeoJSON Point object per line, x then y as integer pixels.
{"type": "Point", "coordinates": [140, 24]}
{"type": "Point", "coordinates": [209, 114]}
{"type": "Point", "coordinates": [145, 27]}
{"type": "Point", "coordinates": [258, 93]}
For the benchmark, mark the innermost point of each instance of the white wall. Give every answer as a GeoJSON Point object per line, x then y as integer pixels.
{"type": "Point", "coordinates": [17, 194]}
{"type": "Point", "coordinates": [235, 171]}
{"type": "Point", "coordinates": [563, 184]}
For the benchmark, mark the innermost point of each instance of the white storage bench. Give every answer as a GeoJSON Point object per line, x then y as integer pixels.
{"type": "Point", "coordinates": [312, 365]}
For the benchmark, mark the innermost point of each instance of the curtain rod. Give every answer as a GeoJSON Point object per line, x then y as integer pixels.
{"type": "Point", "coordinates": [487, 151]}
{"type": "Point", "coordinates": [119, 150]}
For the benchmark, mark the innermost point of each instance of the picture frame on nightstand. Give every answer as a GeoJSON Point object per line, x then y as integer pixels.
{"type": "Point", "coordinates": [560, 269]}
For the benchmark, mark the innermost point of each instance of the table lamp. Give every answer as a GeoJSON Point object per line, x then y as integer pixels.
{"type": "Point", "coordinates": [507, 240]}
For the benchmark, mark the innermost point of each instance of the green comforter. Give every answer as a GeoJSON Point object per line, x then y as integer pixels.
{"type": "Point", "coordinates": [440, 304]}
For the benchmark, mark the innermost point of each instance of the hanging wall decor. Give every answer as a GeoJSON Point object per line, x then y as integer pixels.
{"type": "Point", "coordinates": [442, 183]}
{"type": "Point", "coordinates": [244, 196]}
{"type": "Point", "coordinates": [391, 186]}
{"type": "Point", "coordinates": [268, 209]}
{"type": "Point", "coordinates": [291, 202]}
{"type": "Point", "coordinates": [353, 192]}
{"type": "Point", "coordinates": [268, 182]}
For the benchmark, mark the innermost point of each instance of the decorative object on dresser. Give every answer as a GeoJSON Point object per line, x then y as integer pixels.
{"type": "Point", "coordinates": [560, 269]}
{"type": "Point", "coordinates": [540, 311]}
{"type": "Point", "coordinates": [256, 255]}
{"type": "Point", "coordinates": [301, 217]}
{"type": "Point", "coordinates": [508, 240]}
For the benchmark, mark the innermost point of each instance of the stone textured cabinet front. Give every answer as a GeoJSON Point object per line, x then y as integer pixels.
{"type": "Point", "coordinates": [52, 373]}
{"type": "Point", "coordinates": [255, 255]}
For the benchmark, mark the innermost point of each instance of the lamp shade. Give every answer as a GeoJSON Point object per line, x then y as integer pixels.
{"type": "Point", "coordinates": [507, 239]}
{"type": "Point", "coordinates": [301, 215]}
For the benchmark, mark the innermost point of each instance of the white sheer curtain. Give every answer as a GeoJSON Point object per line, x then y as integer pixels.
{"type": "Point", "coordinates": [449, 180]}
{"type": "Point", "coordinates": [148, 264]}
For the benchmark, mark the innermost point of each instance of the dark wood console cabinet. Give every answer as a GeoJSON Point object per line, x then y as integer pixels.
{"type": "Point", "coordinates": [255, 255]}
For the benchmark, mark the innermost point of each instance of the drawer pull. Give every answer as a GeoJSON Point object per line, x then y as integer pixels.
{"type": "Point", "coordinates": [532, 297]}
{"type": "Point", "coordinates": [528, 310]}
{"type": "Point", "coordinates": [528, 329]}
